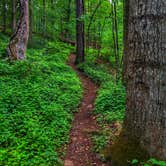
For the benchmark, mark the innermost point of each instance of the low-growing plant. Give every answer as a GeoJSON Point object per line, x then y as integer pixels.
{"type": "Point", "coordinates": [150, 162]}
{"type": "Point", "coordinates": [98, 73]}
{"type": "Point", "coordinates": [110, 103]}
{"type": "Point", "coordinates": [36, 107]}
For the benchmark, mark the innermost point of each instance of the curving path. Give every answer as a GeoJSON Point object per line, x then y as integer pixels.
{"type": "Point", "coordinates": [79, 150]}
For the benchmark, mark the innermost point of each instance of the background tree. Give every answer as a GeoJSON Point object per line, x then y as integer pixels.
{"type": "Point", "coordinates": [79, 31]}
{"type": "Point", "coordinates": [13, 15]}
{"type": "Point", "coordinates": [115, 38]}
{"type": "Point", "coordinates": [4, 16]}
{"type": "Point", "coordinates": [30, 19]}
{"type": "Point", "coordinates": [18, 42]}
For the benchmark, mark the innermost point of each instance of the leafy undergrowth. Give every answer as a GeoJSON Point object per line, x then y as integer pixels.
{"type": "Point", "coordinates": [150, 162]}
{"type": "Point", "coordinates": [110, 102]}
{"type": "Point", "coordinates": [35, 105]}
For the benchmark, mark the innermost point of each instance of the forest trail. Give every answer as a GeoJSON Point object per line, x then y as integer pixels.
{"type": "Point", "coordinates": [79, 150]}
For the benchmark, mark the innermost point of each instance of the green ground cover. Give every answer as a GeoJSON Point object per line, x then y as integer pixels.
{"type": "Point", "coordinates": [35, 105]}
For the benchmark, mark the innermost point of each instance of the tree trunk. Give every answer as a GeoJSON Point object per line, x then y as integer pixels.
{"type": "Point", "coordinates": [80, 31]}
{"type": "Point", "coordinates": [4, 16]}
{"type": "Point", "coordinates": [13, 15]}
{"type": "Point", "coordinates": [115, 39]}
{"type": "Point", "coordinates": [30, 19]}
{"type": "Point", "coordinates": [18, 42]}
{"type": "Point", "coordinates": [125, 32]}
{"type": "Point", "coordinates": [44, 18]}
{"type": "Point", "coordinates": [145, 75]}
{"type": "Point", "coordinates": [91, 21]}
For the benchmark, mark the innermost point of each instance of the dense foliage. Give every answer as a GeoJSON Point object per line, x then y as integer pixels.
{"type": "Point", "coordinates": [56, 19]}
{"type": "Point", "coordinates": [36, 106]}
{"type": "Point", "coordinates": [42, 82]}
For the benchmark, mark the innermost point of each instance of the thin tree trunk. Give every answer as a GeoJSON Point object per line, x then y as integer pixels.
{"type": "Point", "coordinates": [145, 75]}
{"type": "Point", "coordinates": [30, 19]}
{"type": "Point", "coordinates": [13, 15]}
{"type": "Point", "coordinates": [101, 36]}
{"type": "Point", "coordinates": [80, 31]}
{"type": "Point", "coordinates": [4, 16]}
{"type": "Point", "coordinates": [44, 17]}
{"type": "Point", "coordinates": [117, 59]}
{"type": "Point", "coordinates": [18, 42]}
{"type": "Point", "coordinates": [125, 39]}
{"type": "Point", "coordinates": [90, 22]}
{"type": "Point", "coordinates": [113, 31]}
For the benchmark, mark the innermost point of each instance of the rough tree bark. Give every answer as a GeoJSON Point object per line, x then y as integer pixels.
{"type": "Point", "coordinates": [145, 75]}
{"type": "Point", "coordinates": [80, 31]}
{"type": "Point", "coordinates": [18, 42]}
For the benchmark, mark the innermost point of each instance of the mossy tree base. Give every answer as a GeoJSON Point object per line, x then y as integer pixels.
{"type": "Point", "coordinates": [124, 150]}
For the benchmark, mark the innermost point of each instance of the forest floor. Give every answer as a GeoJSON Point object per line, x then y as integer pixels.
{"type": "Point", "coordinates": [79, 150]}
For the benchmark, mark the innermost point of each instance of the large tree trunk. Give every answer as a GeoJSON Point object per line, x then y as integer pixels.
{"type": "Point", "coordinates": [18, 42]}
{"type": "Point", "coordinates": [80, 31]}
{"type": "Point", "coordinates": [145, 75]}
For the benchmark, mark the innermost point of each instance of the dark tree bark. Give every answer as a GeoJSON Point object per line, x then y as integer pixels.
{"type": "Point", "coordinates": [30, 19]}
{"type": "Point", "coordinates": [4, 16]}
{"type": "Point", "coordinates": [44, 18]}
{"type": "Point", "coordinates": [115, 39]}
{"type": "Point", "coordinates": [145, 75]}
{"type": "Point", "coordinates": [80, 31]}
{"type": "Point", "coordinates": [125, 32]}
{"type": "Point", "coordinates": [18, 42]}
{"type": "Point", "coordinates": [13, 15]}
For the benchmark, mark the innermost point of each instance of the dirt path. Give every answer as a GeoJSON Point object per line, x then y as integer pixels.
{"type": "Point", "coordinates": [79, 150]}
